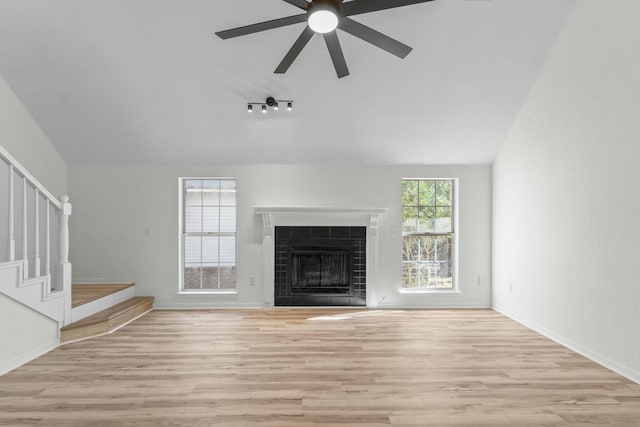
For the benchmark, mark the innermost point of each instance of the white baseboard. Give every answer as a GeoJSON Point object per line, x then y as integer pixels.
{"type": "Point", "coordinates": [431, 306]}
{"type": "Point", "coordinates": [101, 281]}
{"type": "Point", "coordinates": [159, 305]}
{"type": "Point", "coordinates": [600, 359]}
{"type": "Point", "coordinates": [28, 356]}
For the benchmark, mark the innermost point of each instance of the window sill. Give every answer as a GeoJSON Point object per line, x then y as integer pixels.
{"type": "Point", "coordinates": [429, 291]}
{"type": "Point", "coordinates": [209, 292]}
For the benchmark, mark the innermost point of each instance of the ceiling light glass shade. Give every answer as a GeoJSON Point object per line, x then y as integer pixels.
{"type": "Point", "coordinates": [323, 21]}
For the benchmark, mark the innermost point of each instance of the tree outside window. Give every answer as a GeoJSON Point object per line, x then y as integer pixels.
{"type": "Point", "coordinates": [427, 233]}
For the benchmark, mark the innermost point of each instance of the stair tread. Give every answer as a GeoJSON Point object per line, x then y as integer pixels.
{"type": "Point", "coordinates": [83, 294]}
{"type": "Point", "coordinates": [110, 313]}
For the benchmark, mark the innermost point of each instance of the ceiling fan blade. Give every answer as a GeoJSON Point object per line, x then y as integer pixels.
{"type": "Point", "coordinates": [302, 4]}
{"type": "Point", "coordinates": [295, 50]}
{"type": "Point", "coordinates": [356, 7]}
{"type": "Point", "coordinates": [374, 37]}
{"type": "Point", "coordinates": [262, 26]}
{"type": "Point", "coordinates": [337, 56]}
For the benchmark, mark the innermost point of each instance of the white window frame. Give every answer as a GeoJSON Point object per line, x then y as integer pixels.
{"type": "Point", "coordinates": [456, 236]}
{"type": "Point", "coordinates": [181, 234]}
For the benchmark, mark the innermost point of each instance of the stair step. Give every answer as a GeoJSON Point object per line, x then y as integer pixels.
{"type": "Point", "coordinates": [83, 294]}
{"type": "Point", "coordinates": [106, 321]}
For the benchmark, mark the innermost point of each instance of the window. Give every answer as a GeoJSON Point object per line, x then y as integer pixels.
{"type": "Point", "coordinates": [427, 234]}
{"type": "Point", "coordinates": [208, 232]}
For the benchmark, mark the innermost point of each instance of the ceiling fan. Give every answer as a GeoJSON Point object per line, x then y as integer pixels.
{"type": "Point", "coordinates": [324, 17]}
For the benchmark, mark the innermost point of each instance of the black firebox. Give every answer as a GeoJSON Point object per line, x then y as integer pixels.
{"type": "Point", "coordinates": [320, 266]}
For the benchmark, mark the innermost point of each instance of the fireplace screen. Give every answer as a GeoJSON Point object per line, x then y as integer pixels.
{"type": "Point", "coordinates": [320, 272]}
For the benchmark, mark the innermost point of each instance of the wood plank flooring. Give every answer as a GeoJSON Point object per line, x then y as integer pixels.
{"type": "Point", "coordinates": [106, 320]}
{"type": "Point", "coordinates": [298, 368]}
{"type": "Point", "coordinates": [82, 294]}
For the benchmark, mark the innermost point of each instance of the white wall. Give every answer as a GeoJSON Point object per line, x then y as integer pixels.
{"type": "Point", "coordinates": [21, 136]}
{"type": "Point", "coordinates": [25, 334]}
{"type": "Point", "coordinates": [566, 200]}
{"type": "Point", "coordinates": [114, 207]}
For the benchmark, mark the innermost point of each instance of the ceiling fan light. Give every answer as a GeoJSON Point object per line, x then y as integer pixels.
{"type": "Point", "coordinates": [323, 21]}
{"type": "Point", "coordinates": [276, 107]}
{"type": "Point", "coordinates": [264, 109]}
{"type": "Point", "coordinates": [250, 108]}
{"type": "Point", "coordinates": [289, 106]}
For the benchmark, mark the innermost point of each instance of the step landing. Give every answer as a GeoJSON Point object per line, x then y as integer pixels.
{"type": "Point", "coordinates": [106, 321]}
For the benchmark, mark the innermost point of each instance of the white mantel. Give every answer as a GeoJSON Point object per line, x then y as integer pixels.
{"type": "Point", "coordinates": [273, 216]}
{"type": "Point", "coordinates": [317, 210]}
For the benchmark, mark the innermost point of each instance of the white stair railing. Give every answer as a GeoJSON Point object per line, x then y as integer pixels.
{"type": "Point", "coordinates": [35, 287]}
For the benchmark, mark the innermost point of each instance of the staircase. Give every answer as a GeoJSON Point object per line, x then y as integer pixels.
{"type": "Point", "coordinates": [101, 309]}
{"type": "Point", "coordinates": [34, 243]}
{"type": "Point", "coordinates": [34, 261]}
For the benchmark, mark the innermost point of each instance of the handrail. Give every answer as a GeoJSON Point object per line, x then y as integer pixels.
{"type": "Point", "coordinates": [22, 171]}
{"type": "Point", "coordinates": [56, 283]}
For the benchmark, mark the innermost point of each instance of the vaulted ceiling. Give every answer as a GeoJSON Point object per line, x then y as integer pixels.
{"type": "Point", "coordinates": [148, 82]}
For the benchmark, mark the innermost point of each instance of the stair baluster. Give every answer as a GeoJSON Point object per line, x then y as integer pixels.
{"type": "Point", "coordinates": [12, 242]}
{"type": "Point", "coordinates": [25, 254]}
{"type": "Point", "coordinates": [36, 235]}
{"type": "Point", "coordinates": [47, 244]}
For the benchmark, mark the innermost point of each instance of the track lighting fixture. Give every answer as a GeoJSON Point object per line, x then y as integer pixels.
{"type": "Point", "coordinates": [270, 102]}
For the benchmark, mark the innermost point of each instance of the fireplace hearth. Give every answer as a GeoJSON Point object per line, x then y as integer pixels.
{"type": "Point", "coordinates": [320, 266]}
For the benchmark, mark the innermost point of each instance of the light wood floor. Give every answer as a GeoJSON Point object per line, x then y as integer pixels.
{"type": "Point", "coordinates": [82, 294]}
{"type": "Point", "coordinates": [296, 368]}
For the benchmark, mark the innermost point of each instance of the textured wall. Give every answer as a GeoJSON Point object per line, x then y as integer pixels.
{"type": "Point", "coordinates": [566, 201]}
{"type": "Point", "coordinates": [21, 136]}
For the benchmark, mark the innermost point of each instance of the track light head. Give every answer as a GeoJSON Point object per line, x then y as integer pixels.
{"type": "Point", "coordinates": [264, 109]}
{"type": "Point", "coordinates": [289, 106]}
{"type": "Point", "coordinates": [250, 108]}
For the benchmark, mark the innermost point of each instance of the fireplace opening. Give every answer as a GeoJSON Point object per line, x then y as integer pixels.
{"type": "Point", "coordinates": [320, 266]}
{"type": "Point", "coordinates": [320, 272]}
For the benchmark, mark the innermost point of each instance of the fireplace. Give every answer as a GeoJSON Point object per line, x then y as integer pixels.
{"type": "Point", "coordinates": [320, 266]}
{"type": "Point", "coordinates": [358, 223]}
{"type": "Point", "coordinates": [322, 271]}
